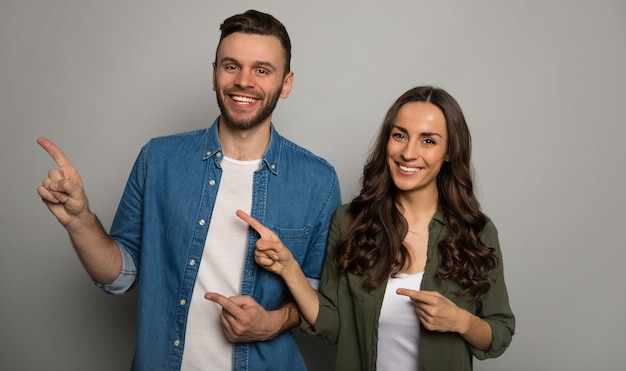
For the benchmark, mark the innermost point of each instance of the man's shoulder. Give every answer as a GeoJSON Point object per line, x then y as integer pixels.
{"type": "Point", "coordinates": [180, 146]}
{"type": "Point", "coordinates": [192, 135]}
{"type": "Point", "coordinates": [296, 152]}
{"type": "Point", "coordinates": [178, 142]}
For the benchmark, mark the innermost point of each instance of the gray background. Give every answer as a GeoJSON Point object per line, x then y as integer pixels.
{"type": "Point", "coordinates": [541, 83]}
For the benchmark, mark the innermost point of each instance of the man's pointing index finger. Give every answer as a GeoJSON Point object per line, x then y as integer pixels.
{"type": "Point", "coordinates": [55, 152]}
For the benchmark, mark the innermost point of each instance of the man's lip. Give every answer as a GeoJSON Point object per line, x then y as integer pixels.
{"type": "Point", "coordinates": [243, 98]}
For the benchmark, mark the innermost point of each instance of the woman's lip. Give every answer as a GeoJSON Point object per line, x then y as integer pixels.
{"type": "Point", "coordinates": [409, 169]}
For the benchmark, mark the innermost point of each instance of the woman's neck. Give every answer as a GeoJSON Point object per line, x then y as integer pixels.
{"type": "Point", "coordinates": [419, 208]}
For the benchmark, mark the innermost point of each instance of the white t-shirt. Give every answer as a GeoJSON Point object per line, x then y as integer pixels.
{"type": "Point", "coordinates": [398, 326]}
{"type": "Point", "coordinates": [206, 346]}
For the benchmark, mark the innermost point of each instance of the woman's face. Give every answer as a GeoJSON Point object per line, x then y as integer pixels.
{"type": "Point", "coordinates": [417, 147]}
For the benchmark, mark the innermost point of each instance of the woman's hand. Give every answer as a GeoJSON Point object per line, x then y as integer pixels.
{"type": "Point", "coordinates": [270, 252]}
{"type": "Point", "coordinates": [438, 313]}
{"type": "Point", "coordinates": [435, 311]}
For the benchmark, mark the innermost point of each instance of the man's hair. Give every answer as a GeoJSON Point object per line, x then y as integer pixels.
{"type": "Point", "coordinates": [254, 22]}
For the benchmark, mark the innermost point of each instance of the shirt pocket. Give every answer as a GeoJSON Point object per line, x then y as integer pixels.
{"type": "Point", "coordinates": [296, 240]}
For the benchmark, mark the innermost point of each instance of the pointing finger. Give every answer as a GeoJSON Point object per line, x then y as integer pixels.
{"type": "Point", "coordinates": [266, 233]}
{"type": "Point", "coordinates": [226, 304]}
{"type": "Point", "coordinates": [411, 294]}
{"type": "Point", "coordinates": [55, 152]}
{"type": "Point", "coordinates": [405, 292]}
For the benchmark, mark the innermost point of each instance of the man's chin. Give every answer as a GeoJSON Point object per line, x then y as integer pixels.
{"type": "Point", "coordinates": [240, 124]}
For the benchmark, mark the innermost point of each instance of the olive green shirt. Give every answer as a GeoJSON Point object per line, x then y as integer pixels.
{"type": "Point", "coordinates": [348, 314]}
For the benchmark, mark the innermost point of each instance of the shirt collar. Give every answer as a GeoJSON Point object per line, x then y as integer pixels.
{"type": "Point", "coordinates": [270, 160]}
{"type": "Point", "coordinates": [439, 217]}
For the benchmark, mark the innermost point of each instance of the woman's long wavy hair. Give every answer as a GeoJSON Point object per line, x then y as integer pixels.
{"type": "Point", "coordinates": [374, 246]}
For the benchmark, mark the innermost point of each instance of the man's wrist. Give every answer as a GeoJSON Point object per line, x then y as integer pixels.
{"type": "Point", "coordinates": [285, 317]}
{"type": "Point", "coordinates": [84, 221]}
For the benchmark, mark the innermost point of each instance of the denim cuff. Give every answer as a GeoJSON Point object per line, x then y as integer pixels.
{"type": "Point", "coordinates": [126, 278]}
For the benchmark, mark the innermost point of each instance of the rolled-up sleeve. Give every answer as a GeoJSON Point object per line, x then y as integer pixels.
{"type": "Point", "coordinates": [494, 308]}
{"type": "Point", "coordinates": [126, 278]}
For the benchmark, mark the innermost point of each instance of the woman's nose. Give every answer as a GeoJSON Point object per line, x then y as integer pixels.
{"type": "Point", "coordinates": [410, 151]}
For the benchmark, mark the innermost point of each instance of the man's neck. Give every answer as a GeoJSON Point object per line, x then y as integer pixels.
{"type": "Point", "coordinates": [244, 145]}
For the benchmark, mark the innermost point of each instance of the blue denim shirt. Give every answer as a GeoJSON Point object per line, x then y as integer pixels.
{"type": "Point", "coordinates": [162, 222]}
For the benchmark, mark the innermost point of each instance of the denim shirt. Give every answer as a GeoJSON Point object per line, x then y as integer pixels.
{"type": "Point", "coordinates": [162, 222]}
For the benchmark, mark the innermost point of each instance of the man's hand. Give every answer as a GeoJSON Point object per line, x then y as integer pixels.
{"type": "Point", "coordinates": [245, 320]}
{"type": "Point", "coordinates": [62, 191]}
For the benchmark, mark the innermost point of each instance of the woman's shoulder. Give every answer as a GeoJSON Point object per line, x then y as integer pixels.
{"type": "Point", "coordinates": [490, 227]}
{"type": "Point", "coordinates": [342, 213]}
{"type": "Point", "coordinates": [341, 217]}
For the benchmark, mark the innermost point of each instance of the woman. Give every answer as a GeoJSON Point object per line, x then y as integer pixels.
{"type": "Point", "coordinates": [413, 274]}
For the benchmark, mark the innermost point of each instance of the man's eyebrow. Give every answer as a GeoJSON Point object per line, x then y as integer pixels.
{"type": "Point", "coordinates": [265, 64]}
{"type": "Point", "coordinates": [228, 60]}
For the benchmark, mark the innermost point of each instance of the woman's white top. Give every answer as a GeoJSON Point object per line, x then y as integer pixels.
{"type": "Point", "coordinates": [398, 327]}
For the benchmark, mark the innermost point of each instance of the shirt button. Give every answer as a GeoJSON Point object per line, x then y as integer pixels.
{"type": "Point", "coordinates": [183, 301]}
{"type": "Point", "coordinates": [192, 262]}
{"type": "Point", "coordinates": [201, 222]}
{"type": "Point", "coordinates": [208, 153]}
{"type": "Point", "coordinates": [219, 154]}
{"type": "Point", "coordinates": [212, 182]}
{"type": "Point", "coordinates": [176, 342]}
{"type": "Point", "coordinates": [273, 166]}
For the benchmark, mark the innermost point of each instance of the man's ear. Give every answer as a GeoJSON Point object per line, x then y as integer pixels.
{"type": "Point", "coordinates": [214, 78]}
{"type": "Point", "coordinates": [287, 85]}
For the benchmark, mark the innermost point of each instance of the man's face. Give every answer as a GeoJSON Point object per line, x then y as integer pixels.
{"type": "Point", "coordinates": [248, 77]}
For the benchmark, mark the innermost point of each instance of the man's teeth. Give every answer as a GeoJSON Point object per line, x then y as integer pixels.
{"type": "Point", "coordinates": [243, 99]}
{"type": "Point", "coordinates": [409, 169]}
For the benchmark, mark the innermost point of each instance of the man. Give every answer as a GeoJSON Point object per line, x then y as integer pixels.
{"type": "Point", "coordinates": [177, 237]}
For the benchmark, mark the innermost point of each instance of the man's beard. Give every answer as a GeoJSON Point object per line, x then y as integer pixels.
{"type": "Point", "coordinates": [265, 111]}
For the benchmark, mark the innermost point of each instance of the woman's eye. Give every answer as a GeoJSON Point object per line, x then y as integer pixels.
{"type": "Point", "coordinates": [429, 141]}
